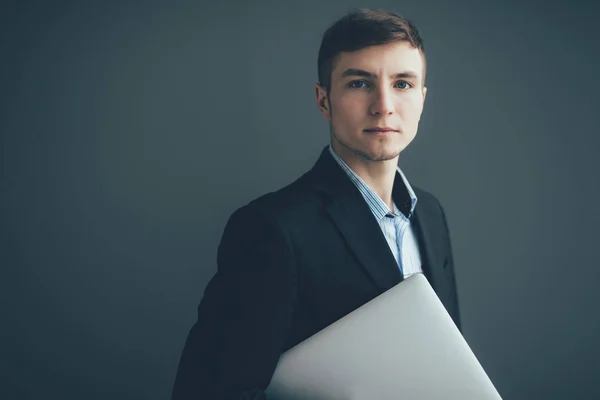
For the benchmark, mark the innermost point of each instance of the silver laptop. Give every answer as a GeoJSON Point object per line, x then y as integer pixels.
{"type": "Point", "coordinates": [401, 345]}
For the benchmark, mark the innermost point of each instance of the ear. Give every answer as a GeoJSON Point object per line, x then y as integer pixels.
{"type": "Point", "coordinates": [424, 91]}
{"type": "Point", "coordinates": [322, 101]}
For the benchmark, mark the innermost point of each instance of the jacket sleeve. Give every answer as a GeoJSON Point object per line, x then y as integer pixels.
{"type": "Point", "coordinates": [243, 319]}
{"type": "Point", "coordinates": [450, 267]}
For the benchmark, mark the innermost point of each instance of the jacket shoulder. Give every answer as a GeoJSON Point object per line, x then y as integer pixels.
{"type": "Point", "coordinates": [427, 199]}
{"type": "Point", "coordinates": [288, 203]}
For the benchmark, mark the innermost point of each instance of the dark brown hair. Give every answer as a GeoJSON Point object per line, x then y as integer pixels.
{"type": "Point", "coordinates": [360, 29]}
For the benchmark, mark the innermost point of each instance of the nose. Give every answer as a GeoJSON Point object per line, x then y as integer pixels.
{"type": "Point", "coordinates": [382, 102]}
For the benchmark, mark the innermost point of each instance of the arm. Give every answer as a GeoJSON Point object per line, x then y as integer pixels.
{"type": "Point", "coordinates": [450, 267]}
{"type": "Point", "coordinates": [244, 316]}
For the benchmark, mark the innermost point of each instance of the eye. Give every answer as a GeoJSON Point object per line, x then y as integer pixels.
{"type": "Point", "coordinates": [359, 84]}
{"type": "Point", "coordinates": [403, 85]}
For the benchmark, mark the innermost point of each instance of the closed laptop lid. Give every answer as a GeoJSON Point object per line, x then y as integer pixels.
{"type": "Point", "coordinates": [401, 345]}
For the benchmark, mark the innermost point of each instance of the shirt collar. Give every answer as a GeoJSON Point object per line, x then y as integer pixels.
{"type": "Point", "coordinates": [375, 203]}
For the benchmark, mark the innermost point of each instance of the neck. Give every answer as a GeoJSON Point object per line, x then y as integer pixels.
{"type": "Point", "coordinates": [378, 175]}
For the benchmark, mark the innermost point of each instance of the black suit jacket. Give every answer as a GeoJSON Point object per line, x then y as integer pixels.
{"type": "Point", "coordinates": [292, 262]}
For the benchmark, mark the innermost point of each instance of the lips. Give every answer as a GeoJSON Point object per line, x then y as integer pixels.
{"type": "Point", "coordinates": [381, 130]}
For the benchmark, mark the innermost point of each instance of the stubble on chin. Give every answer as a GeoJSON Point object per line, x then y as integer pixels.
{"type": "Point", "coordinates": [374, 157]}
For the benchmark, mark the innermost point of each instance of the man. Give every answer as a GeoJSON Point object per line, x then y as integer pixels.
{"type": "Point", "coordinates": [292, 262]}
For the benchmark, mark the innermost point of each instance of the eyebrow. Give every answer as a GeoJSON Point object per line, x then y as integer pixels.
{"type": "Point", "coordinates": [367, 74]}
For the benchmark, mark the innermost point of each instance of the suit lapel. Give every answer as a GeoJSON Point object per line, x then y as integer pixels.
{"type": "Point", "coordinates": [427, 231]}
{"type": "Point", "coordinates": [350, 213]}
{"type": "Point", "coordinates": [363, 235]}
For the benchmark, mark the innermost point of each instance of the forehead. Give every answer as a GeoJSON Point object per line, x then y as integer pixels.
{"type": "Point", "coordinates": [391, 58]}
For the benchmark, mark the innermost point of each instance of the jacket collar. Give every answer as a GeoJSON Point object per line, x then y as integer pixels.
{"type": "Point", "coordinates": [350, 213]}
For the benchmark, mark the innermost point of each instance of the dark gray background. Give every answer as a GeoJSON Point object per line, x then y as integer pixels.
{"type": "Point", "coordinates": [129, 134]}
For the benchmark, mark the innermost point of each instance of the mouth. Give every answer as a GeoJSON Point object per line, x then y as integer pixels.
{"type": "Point", "coordinates": [381, 130]}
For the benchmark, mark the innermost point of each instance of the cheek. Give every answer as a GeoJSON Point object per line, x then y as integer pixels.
{"type": "Point", "coordinates": [347, 112]}
{"type": "Point", "coordinates": [410, 109]}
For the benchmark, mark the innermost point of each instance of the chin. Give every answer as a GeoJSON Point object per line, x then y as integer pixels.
{"type": "Point", "coordinates": [380, 150]}
{"type": "Point", "coordinates": [386, 153]}
{"type": "Point", "coordinates": [384, 156]}
{"type": "Point", "coordinates": [380, 155]}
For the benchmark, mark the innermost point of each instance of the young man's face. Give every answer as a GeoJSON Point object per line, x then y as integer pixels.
{"type": "Point", "coordinates": [375, 102]}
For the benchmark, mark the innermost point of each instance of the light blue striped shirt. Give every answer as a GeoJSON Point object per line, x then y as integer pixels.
{"type": "Point", "coordinates": [395, 226]}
